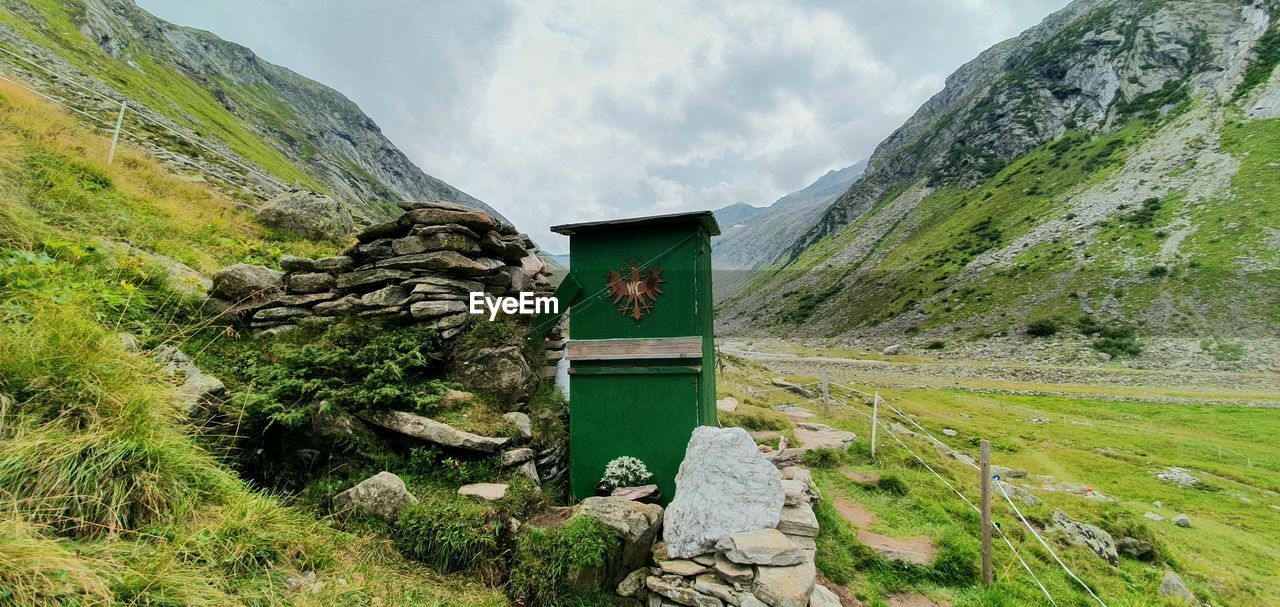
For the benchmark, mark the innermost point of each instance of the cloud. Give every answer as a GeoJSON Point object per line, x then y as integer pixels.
{"type": "Point", "coordinates": [556, 112]}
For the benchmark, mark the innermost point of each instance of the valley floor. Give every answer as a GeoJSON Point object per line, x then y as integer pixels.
{"type": "Point", "coordinates": [1091, 439]}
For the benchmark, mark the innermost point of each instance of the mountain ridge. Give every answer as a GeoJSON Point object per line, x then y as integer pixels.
{"type": "Point", "coordinates": [1129, 123]}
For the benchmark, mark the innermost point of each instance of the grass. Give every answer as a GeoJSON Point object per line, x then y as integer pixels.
{"type": "Point", "coordinates": [1113, 447]}
{"type": "Point", "coordinates": [1096, 437]}
{"type": "Point", "coordinates": [107, 496]}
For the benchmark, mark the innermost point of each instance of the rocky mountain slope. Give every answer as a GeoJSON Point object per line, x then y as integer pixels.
{"type": "Point", "coordinates": [1112, 166]}
{"type": "Point", "coordinates": [188, 81]}
{"type": "Point", "coordinates": [753, 237]}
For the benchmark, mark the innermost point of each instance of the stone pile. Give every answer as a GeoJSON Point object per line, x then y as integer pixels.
{"type": "Point", "coordinates": [715, 554]}
{"type": "Point", "coordinates": [420, 266]}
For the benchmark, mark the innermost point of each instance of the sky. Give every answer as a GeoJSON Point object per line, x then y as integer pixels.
{"type": "Point", "coordinates": [559, 112]}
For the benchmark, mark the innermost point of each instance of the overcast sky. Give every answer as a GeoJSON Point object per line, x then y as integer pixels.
{"type": "Point", "coordinates": [556, 112]}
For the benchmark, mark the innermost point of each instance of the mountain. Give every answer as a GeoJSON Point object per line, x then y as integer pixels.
{"type": "Point", "coordinates": [736, 214]}
{"type": "Point", "coordinates": [218, 94]}
{"type": "Point", "coordinates": [753, 237]}
{"type": "Point", "coordinates": [1109, 169]}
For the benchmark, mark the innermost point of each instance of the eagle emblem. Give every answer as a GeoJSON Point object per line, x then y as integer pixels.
{"type": "Point", "coordinates": [634, 290]}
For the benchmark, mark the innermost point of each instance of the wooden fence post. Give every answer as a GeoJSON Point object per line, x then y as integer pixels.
{"type": "Point", "coordinates": [875, 421]}
{"type": "Point", "coordinates": [826, 394]}
{"type": "Point", "coordinates": [985, 471]}
{"type": "Point", "coordinates": [115, 137]}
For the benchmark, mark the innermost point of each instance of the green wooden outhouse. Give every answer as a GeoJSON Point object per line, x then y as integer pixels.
{"type": "Point", "coordinates": [641, 343]}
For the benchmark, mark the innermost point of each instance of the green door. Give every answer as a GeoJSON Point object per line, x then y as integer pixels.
{"type": "Point", "coordinates": [616, 411]}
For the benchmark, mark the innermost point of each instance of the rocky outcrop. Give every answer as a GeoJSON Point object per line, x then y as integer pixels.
{"type": "Point", "coordinates": [308, 215]}
{"type": "Point", "coordinates": [724, 486]}
{"type": "Point", "coordinates": [382, 495]}
{"type": "Point", "coordinates": [419, 268]}
{"type": "Point", "coordinates": [501, 372]}
{"type": "Point", "coordinates": [1089, 536]}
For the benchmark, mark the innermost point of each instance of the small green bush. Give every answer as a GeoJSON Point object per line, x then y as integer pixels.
{"type": "Point", "coordinates": [1043, 327]}
{"type": "Point", "coordinates": [545, 559]}
{"type": "Point", "coordinates": [351, 366]}
{"type": "Point", "coordinates": [827, 458]}
{"type": "Point", "coordinates": [452, 533]}
{"type": "Point", "coordinates": [935, 345]}
{"type": "Point", "coordinates": [892, 484]}
{"type": "Point", "coordinates": [1158, 271]}
{"type": "Point", "coordinates": [1118, 346]}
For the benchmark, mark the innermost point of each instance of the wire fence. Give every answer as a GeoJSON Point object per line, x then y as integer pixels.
{"type": "Point", "coordinates": [878, 402]}
{"type": "Point", "coordinates": [117, 129]}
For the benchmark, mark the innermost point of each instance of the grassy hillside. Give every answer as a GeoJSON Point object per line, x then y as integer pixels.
{"type": "Point", "coordinates": [1170, 264]}
{"type": "Point", "coordinates": [160, 87]}
{"type": "Point", "coordinates": [106, 497]}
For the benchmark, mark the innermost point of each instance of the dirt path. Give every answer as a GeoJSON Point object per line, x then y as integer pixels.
{"type": "Point", "coordinates": [918, 550]}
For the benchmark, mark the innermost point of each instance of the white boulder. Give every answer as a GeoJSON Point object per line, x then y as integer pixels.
{"type": "Point", "coordinates": [724, 486]}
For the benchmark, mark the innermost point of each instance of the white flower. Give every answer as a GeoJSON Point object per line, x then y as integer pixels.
{"type": "Point", "coordinates": [626, 471]}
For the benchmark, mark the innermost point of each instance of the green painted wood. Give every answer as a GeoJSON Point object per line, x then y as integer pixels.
{"type": "Point", "coordinates": [645, 409]}
{"type": "Point", "coordinates": [654, 370]}
{"type": "Point", "coordinates": [641, 415]}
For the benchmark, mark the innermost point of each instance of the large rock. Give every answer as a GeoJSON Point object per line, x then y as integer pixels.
{"type": "Point", "coordinates": [785, 586]}
{"type": "Point", "coordinates": [382, 495]}
{"type": "Point", "coordinates": [243, 281]}
{"type": "Point", "coordinates": [501, 372]}
{"type": "Point", "coordinates": [760, 547]}
{"type": "Point", "coordinates": [178, 277]}
{"type": "Point", "coordinates": [196, 388]}
{"type": "Point", "coordinates": [428, 429]}
{"type": "Point", "coordinates": [307, 215]}
{"type": "Point", "coordinates": [1174, 588]}
{"type": "Point", "coordinates": [823, 597]}
{"type": "Point", "coordinates": [724, 486]}
{"type": "Point", "coordinates": [637, 525]}
{"type": "Point", "coordinates": [1089, 536]}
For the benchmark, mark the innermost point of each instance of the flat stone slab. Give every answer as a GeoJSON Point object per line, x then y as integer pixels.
{"type": "Point", "coordinates": [487, 491]}
{"type": "Point", "coordinates": [761, 547]}
{"type": "Point", "coordinates": [682, 567]}
{"type": "Point", "coordinates": [430, 430]}
{"type": "Point", "coordinates": [798, 520]}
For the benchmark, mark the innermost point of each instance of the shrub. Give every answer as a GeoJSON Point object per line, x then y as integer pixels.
{"type": "Point", "coordinates": [1118, 346]}
{"type": "Point", "coordinates": [546, 558]}
{"type": "Point", "coordinates": [625, 471]}
{"type": "Point", "coordinates": [1158, 271]}
{"type": "Point", "coordinates": [452, 533]}
{"type": "Point", "coordinates": [1043, 327]}
{"type": "Point", "coordinates": [892, 484]}
{"type": "Point", "coordinates": [754, 421]}
{"type": "Point", "coordinates": [935, 345]}
{"type": "Point", "coordinates": [826, 458]}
